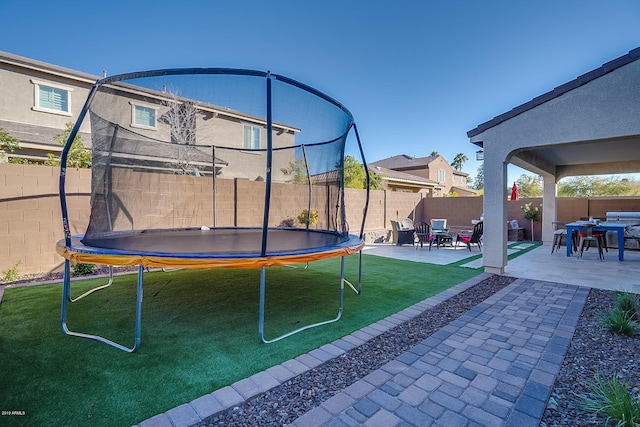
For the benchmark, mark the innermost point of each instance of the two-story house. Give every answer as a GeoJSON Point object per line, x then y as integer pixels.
{"type": "Point", "coordinates": [39, 100]}
{"type": "Point", "coordinates": [433, 168]}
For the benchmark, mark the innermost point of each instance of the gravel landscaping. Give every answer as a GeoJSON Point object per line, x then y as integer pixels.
{"type": "Point", "coordinates": [593, 349]}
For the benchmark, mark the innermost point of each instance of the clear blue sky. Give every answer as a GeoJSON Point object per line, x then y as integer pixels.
{"type": "Point", "coordinates": [416, 74]}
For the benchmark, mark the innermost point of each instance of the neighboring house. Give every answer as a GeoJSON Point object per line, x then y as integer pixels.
{"type": "Point", "coordinates": [39, 99]}
{"type": "Point", "coordinates": [432, 168]}
{"type": "Point", "coordinates": [399, 181]}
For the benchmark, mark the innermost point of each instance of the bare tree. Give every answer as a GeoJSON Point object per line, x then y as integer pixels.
{"type": "Point", "coordinates": [181, 118]}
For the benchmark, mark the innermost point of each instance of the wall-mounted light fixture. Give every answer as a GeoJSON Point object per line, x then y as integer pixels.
{"type": "Point", "coordinates": [480, 155]}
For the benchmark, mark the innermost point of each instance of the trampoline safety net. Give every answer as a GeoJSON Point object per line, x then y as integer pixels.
{"type": "Point", "coordinates": [215, 148]}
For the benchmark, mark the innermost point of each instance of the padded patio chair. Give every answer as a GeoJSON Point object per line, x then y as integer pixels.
{"type": "Point", "coordinates": [632, 232]}
{"type": "Point", "coordinates": [438, 225]}
{"type": "Point", "coordinates": [474, 238]}
{"type": "Point", "coordinates": [586, 237]}
{"type": "Point", "coordinates": [423, 234]}
{"type": "Point", "coordinates": [440, 232]}
{"type": "Point", "coordinates": [558, 235]}
{"type": "Point", "coordinates": [406, 224]}
{"type": "Point", "coordinates": [401, 236]}
{"type": "Point", "coordinates": [515, 233]}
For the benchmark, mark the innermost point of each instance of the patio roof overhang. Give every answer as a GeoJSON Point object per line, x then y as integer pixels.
{"type": "Point", "coordinates": [588, 126]}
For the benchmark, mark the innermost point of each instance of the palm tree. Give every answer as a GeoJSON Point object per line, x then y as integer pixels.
{"type": "Point", "coordinates": [458, 161]}
{"type": "Point", "coordinates": [434, 154]}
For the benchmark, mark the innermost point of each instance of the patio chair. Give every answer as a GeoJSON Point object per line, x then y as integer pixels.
{"type": "Point", "coordinates": [438, 225]}
{"type": "Point", "coordinates": [558, 235]}
{"type": "Point", "coordinates": [406, 224]}
{"type": "Point", "coordinates": [632, 232]}
{"type": "Point", "coordinates": [440, 232]}
{"type": "Point", "coordinates": [474, 238]}
{"type": "Point", "coordinates": [423, 234]}
{"type": "Point", "coordinates": [400, 235]}
{"type": "Point", "coordinates": [515, 233]}
{"type": "Point", "coordinates": [586, 237]}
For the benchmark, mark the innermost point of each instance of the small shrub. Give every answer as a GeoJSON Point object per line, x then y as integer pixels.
{"type": "Point", "coordinates": [618, 321]}
{"type": "Point", "coordinates": [613, 399]}
{"type": "Point", "coordinates": [12, 274]}
{"type": "Point", "coordinates": [287, 222]}
{"type": "Point", "coordinates": [80, 269]}
{"type": "Point", "coordinates": [626, 302]}
{"type": "Point", "coordinates": [304, 218]}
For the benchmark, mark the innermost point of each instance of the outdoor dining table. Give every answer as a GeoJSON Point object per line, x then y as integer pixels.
{"type": "Point", "coordinates": [618, 227]}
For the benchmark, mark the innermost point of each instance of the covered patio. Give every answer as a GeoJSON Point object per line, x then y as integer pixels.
{"type": "Point", "coordinates": [536, 264]}
{"type": "Point", "coordinates": [588, 126]}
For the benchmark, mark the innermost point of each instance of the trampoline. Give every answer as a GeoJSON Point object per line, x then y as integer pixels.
{"type": "Point", "coordinates": [211, 168]}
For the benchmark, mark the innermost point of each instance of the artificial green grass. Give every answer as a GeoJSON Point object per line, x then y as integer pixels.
{"type": "Point", "coordinates": [199, 333]}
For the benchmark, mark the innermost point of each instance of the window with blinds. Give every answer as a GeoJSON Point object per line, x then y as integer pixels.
{"type": "Point", "coordinates": [144, 116]}
{"type": "Point", "coordinates": [251, 137]}
{"type": "Point", "coordinates": [52, 99]}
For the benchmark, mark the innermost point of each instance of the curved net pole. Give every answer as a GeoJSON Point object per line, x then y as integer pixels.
{"type": "Point", "coordinates": [63, 165]}
{"type": "Point", "coordinates": [306, 169]}
{"type": "Point", "coordinates": [364, 212]}
{"type": "Point", "coordinates": [267, 193]}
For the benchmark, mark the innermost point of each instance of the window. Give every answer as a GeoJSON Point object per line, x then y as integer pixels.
{"type": "Point", "coordinates": [142, 116]}
{"type": "Point", "coordinates": [441, 176]}
{"type": "Point", "coordinates": [453, 177]}
{"type": "Point", "coordinates": [51, 98]}
{"type": "Point", "coordinates": [251, 140]}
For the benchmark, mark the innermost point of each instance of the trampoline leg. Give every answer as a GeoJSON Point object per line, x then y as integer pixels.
{"type": "Point", "coordinates": [288, 334]}
{"type": "Point", "coordinates": [89, 292]}
{"type": "Point", "coordinates": [66, 296]}
{"type": "Point", "coordinates": [359, 290]}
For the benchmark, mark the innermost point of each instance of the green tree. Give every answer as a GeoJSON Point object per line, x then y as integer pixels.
{"type": "Point", "coordinates": [296, 171]}
{"type": "Point", "coordinates": [8, 143]}
{"type": "Point", "coordinates": [478, 182]}
{"type": "Point", "coordinates": [459, 161]}
{"type": "Point", "coordinates": [593, 186]}
{"type": "Point", "coordinates": [354, 175]}
{"type": "Point", "coordinates": [528, 186]}
{"type": "Point", "coordinates": [434, 154]}
{"type": "Point", "coordinates": [78, 157]}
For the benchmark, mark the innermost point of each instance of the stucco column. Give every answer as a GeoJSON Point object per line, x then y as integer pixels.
{"type": "Point", "coordinates": [549, 209]}
{"type": "Point", "coordinates": [494, 251]}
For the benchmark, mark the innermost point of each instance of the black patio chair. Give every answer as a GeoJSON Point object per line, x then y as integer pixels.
{"type": "Point", "coordinates": [474, 238]}
{"type": "Point", "coordinates": [423, 234]}
{"type": "Point", "coordinates": [400, 235]}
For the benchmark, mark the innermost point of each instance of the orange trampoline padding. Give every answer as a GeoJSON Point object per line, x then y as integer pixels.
{"type": "Point", "coordinates": [224, 247]}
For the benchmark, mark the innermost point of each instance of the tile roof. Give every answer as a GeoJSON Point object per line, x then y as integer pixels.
{"type": "Point", "coordinates": [402, 161]}
{"type": "Point", "coordinates": [402, 177]}
{"type": "Point", "coordinates": [610, 66]}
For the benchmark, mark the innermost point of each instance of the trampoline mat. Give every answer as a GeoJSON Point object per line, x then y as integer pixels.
{"type": "Point", "coordinates": [216, 241]}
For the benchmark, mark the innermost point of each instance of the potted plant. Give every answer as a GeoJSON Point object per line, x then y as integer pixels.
{"type": "Point", "coordinates": [530, 213]}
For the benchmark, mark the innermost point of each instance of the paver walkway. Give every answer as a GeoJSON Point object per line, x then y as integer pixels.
{"type": "Point", "coordinates": [494, 366]}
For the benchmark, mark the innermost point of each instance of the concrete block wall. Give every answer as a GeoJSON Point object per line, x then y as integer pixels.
{"type": "Point", "coordinates": [31, 220]}
{"type": "Point", "coordinates": [30, 214]}
{"type": "Point", "coordinates": [401, 205]}
{"type": "Point", "coordinates": [458, 211]}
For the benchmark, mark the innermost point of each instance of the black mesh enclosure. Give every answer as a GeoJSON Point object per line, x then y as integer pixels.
{"type": "Point", "coordinates": [214, 149]}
